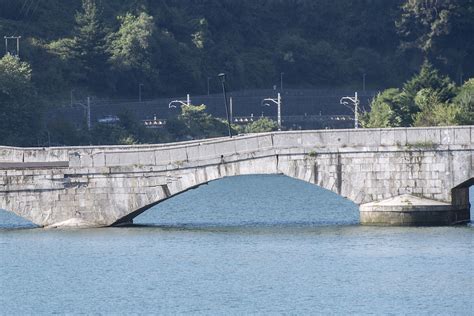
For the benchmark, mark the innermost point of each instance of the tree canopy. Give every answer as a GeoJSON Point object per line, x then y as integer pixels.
{"type": "Point", "coordinates": [172, 46]}
{"type": "Point", "coordinates": [425, 48]}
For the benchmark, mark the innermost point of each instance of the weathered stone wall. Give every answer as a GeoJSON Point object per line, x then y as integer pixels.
{"type": "Point", "coordinates": [105, 185]}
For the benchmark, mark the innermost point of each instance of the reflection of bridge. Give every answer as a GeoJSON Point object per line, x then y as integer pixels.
{"type": "Point", "coordinates": [400, 176]}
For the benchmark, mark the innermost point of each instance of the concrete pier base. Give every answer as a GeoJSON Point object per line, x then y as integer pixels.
{"type": "Point", "coordinates": [408, 210]}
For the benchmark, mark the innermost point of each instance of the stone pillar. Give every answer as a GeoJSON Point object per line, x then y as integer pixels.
{"type": "Point", "coordinates": [409, 210]}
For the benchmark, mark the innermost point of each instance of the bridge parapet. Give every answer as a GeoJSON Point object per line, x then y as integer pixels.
{"type": "Point", "coordinates": [325, 140]}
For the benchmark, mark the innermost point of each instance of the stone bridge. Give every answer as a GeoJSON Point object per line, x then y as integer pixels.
{"type": "Point", "coordinates": [402, 176]}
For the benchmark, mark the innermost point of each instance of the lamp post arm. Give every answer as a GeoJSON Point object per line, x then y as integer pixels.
{"type": "Point", "coordinates": [171, 105]}
{"type": "Point", "coordinates": [269, 100]}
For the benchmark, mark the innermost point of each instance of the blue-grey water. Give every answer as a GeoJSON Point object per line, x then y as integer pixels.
{"type": "Point", "coordinates": [243, 245]}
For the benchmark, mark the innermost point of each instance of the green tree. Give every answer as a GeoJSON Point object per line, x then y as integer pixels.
{"type": "Point", "coordinates": [61, 133]}
{"type": "Point", "coordinates": [433, 111]}
{"type": "Point", "coordinates": [386, 110]}
{"type": "Point", "coordinates": [438, 114]}
{"type": "Point", "coordinates": [439, 30]}
{"type": "Point", "coordinates": [130, 45]}
{"type": "Point", "coordinates": [422, 100]}
{"type": "Point", "coordinates": [262, 125]}
{"type": "Point", "coordinates": [427, 78]}
{"type": "Point", "coordinates": [89, 45]}
{"type": "Point", "coordinates": [130, 49]}
{"type": "Point", "coordinates": [423, 22]}
{"type": "Point", "coordinates": [20, 117]}
{"type": "Point", "coordinates": [464, 100]}
{"type": "Point", "coordinates": [200, 124]}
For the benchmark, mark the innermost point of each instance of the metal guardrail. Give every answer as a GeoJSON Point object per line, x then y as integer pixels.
{"type": "Point", "coordinates": [295, 104]}
{"type": "Point", "coordinates": [294, 118]}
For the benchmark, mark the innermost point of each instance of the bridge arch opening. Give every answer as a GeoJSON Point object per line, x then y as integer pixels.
{"type": "Point", "coordinates": [253, 200]}
{"type": "Point", "coordinates": [463, 194]}
{"type": "Point", "coordinates": [10, 220]}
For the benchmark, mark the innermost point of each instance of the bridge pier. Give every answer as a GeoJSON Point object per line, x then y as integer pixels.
{"type": "Point", "coordinates": [409, 210]}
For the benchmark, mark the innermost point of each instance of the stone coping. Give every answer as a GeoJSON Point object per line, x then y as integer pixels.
{"type": "Point", "coordinates": [415, 131]}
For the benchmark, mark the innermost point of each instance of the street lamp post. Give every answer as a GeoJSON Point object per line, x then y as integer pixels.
{"type": "Point", "coordinates": [355, 102]}
{"type": "Point", "coordinates": [277, 101]}
{"type": "Point", "coordinates": [222, 79]}
{"type": "Point", "coordinates": [231, 106]}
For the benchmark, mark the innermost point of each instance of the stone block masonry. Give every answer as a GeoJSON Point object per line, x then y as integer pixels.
{"type": "Point", "coordinates": [400, 176]}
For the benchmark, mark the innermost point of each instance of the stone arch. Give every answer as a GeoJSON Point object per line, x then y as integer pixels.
{"type": "Point", "coordinates": [301, 169]}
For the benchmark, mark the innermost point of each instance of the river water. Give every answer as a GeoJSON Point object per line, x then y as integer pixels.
{"type": "Point", "coordinates": [243, 245]}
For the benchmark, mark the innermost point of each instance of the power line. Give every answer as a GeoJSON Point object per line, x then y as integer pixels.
{"type": "Point", "coordinates": [35, 8]}
{"type": "Point", "coordinates": [28, 9]}
{"type": "Point", "coordinates": [21, 9]}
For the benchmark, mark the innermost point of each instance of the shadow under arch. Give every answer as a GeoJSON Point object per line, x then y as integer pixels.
{"type": "Point", "coordinates": [463, 194]}
{"type": "Point", "coordinates": [10, 220]}
{"type": "Point", "coordinates": [260, 199]}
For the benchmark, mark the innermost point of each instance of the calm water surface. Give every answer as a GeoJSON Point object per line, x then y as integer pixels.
{"type": "Point", "coordinates": [243, 245]}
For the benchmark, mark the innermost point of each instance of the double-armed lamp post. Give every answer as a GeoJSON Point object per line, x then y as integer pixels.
{"type": "Point", "coordinates": [227, 112]}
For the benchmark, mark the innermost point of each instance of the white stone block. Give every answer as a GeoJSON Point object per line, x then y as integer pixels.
{"type": "Point", "coordinates": [462, 136]}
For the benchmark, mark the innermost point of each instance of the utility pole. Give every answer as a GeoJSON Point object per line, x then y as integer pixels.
{"type": "Point", "coordinates": [222, 78]}
{"type": "Point", "coordinates": [231, 105]}
{"type": "Point", "coordinates": [188, 100]}
{"type": "Point", "coordinates": [355, 102]}
{"type": "Point", "coordinates": [17, 38]}
{"type": "Point", "coordinates": [279, 110]}
{"type": "Point", "coordinates": [88, 113]}
{"type": "Point", "coordinates": [277, 101]}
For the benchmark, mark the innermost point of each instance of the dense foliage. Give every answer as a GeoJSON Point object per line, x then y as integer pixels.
{"type": "Point", "coordinates": [19, 108]}
{"type": "Point", "coordinates": [172, 46]}
{"type": "Point", "coordinates": [168, 47]}
{"type": "Point", "coordinates": [427, 99]}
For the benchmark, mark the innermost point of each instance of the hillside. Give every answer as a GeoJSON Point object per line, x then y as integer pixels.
{"type": "Point", "coordinates": [167, 48]}
{"type": "Point", "coordinates": [173, 46]}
